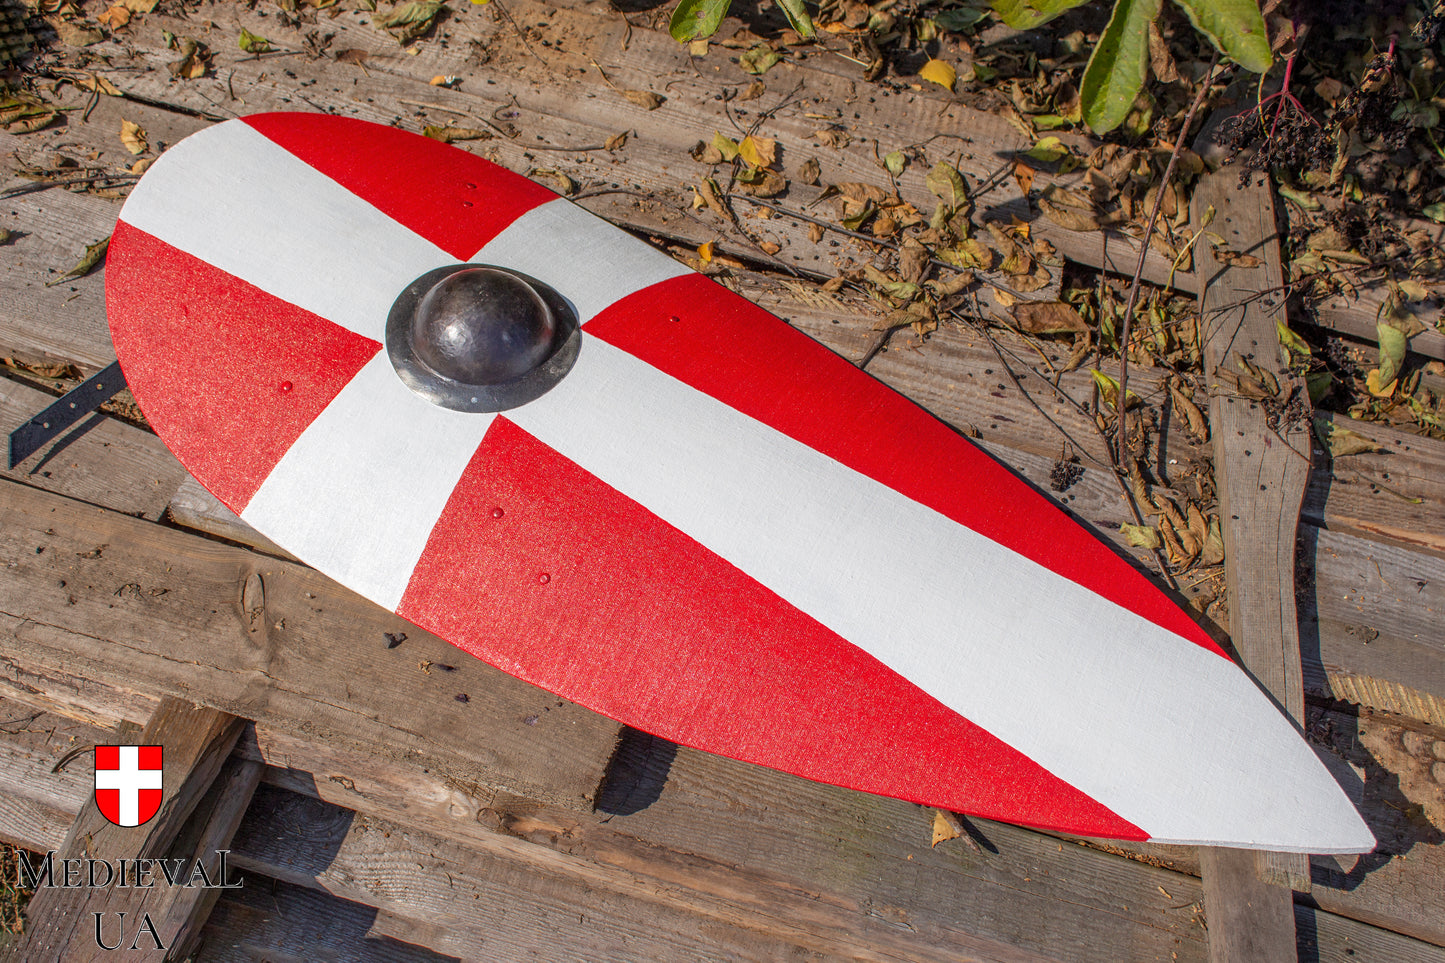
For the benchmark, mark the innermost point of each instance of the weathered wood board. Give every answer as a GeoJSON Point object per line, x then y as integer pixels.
{"type": "Point", "coordinates": [792, 863]}
{"type": "Point", "coordinates": [266, 639]}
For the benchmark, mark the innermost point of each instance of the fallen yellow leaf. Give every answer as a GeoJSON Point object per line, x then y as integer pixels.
{"type": "Point", "coordinates": [133, 136]}
{"type": "Point", "coordinates": [940, 72]}
{"type": "Point", "coordinates": [115, 17]}
{"type": "Point", "coordinates": [758, 151]}
{"type": "Point", "coordinates": [945, 827]}
{"type": "Point", "coordinates": [704, 251]}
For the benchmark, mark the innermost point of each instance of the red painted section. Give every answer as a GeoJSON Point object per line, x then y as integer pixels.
{"type": "Point", "coordinates": [454, 199]}
{"type": "Point", "coordinates": [227, 374]}
{"type": "Point", "coordinates": [580, 590]}
{"type": "Point", "coordinates": [107, 757]}
{"type": "Point", "coordinates": [148, 803]}
{"type": "Point", "coordinates": [108, 802]}
{"type": "Point", "coordinates": [734, 351]}
{"type": "Point", "coordinates": [149, 757]}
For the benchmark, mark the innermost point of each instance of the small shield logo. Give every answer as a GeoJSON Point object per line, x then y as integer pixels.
{"type": "Point", "coordinates": [128, 783]}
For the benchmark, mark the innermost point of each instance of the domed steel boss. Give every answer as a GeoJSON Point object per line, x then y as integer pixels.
{"type": "Point", "coordinates": [472, 337]}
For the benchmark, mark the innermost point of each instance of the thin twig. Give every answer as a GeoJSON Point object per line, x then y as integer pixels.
{"type": "Point", "coordinates": [46, 185]}
{"type": "Point", "coordinates": [430, 106]}
{"type": "Point", "coordinates": [520, 35]}
{"type": "Point", "coordinates": [1114, 469]}
{"type": "Point", "coordinates": [1122, 428]}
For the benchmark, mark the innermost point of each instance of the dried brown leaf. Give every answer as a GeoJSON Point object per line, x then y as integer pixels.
{"type": "Point", "coordinates": [913, 260]}
{"type": "Point", "coordinates": [755, 90]}
{"type": "Point", "coordinates": [98, 84]}
{"type": "Point", "coordinates": [448, 135]}
{"type": "Point", "coordinates": [114, 17]}
{"type": "Point", "coordinates": [762, 182]}
{"type": "Point", "coordinates": [809, 171]}
{"type": "Point", "coordinates": [1048, 317]}
{"type": "Point", "coordinates": [564, 184]}
{"type": "Point", "coordinates": [1194, 419]}
{"type": "Point", "coordinates": [193, 62]}
{"type": "Point", "coordinates": [946, 826]}
{"type": "Point", "coordinates": [74, 34]}
{"type": "Point", "coordinates": [645, 99]}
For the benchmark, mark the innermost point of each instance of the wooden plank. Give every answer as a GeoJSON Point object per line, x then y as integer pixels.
{"type": "Point", "coordinates": [196, 741]}
{"type": "Point", "coordinates": [195, 508]}
{"type": "Point", "coordinates": [173, 613]}
{"type": "Point", "coordinates": [1370, 624]}
{"type": "Point", "coordinates": [1358, 315]}
{"type": "Point", "coordinates": [1261, 470]}
{"type": "Point", "coordinates": [505, 908]}
{"type": "Point", "coordinates": [136, 476]}
{"type": "Point", "coordinates": [728, 816]}
{"type": "Point", "coordinates": [1398, 886]}
{"type": "Point", "coordinates": [278, 922]}
{"type": "Point", "coordinates": [1330, 939]}
{"type": "Point", "coordinates": [1248, 919]}
{"type": "Point", "coordinates": [183, 911]}
{"type": "Point", "coordinates": [1394, 495]}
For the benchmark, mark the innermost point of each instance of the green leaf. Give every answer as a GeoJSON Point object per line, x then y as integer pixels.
{"type": "Point", "coordinates": [1292, 342]}
{"type": "Point", "coordinates": [1392, 351]}
{"type": "Point", "coordinates": [1235, 27]}
{"type": "Point", "coordinates": [697, 18]}
{"type": "Point", "coordinates": [1318, 384]}
{"type": "Point", "coordinates": [947, 185]}
{"type": "Point", "coordinates": [760, 59]}
{"type": "Point", "coordinates": [1117, 68]}
{"type": "Point", "coordinates": [725, 146]}
{"type": "Point", "coordinates": [1109, 390]}
{"type": "Point", "coordinates": [418, 11]}
{"type": "Point", "coordinates": [94, 254]}
{"type": "Point", "coordinates": [1435, 212]}
{"type": "Point", "coordinates": [1028, 14]}
{"type": "Point", "coordinates": [253, 44]}
{"type": "Point", "coordinates": [1341, 441]}
{"type": "Point", "coordinates": [895, 162]}
{"type": "Point", "coordinates": [1047, 150]}
{"type": "Point", "coordinates": [798, 18]}
{"type": "Point", "coordinates": [960, 19]}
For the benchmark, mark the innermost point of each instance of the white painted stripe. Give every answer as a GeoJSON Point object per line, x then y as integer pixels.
{"type": "Point", "coordinates": [239, 202]}
{"type": "Point", "coordinates": [359, 492]}
{"type": "Point", "coordinates": [589, 261]}
{"type": "Point", "coordinates": [1166, 734]}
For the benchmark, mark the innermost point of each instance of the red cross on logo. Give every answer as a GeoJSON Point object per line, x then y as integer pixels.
{"type": "Point", "coordinates": [128, 783]}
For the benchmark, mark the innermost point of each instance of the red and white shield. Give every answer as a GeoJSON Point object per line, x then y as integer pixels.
{"type": "Point", "coordinates": [712, 528]}
{"type": "Point", "coordinates": [128, 783]}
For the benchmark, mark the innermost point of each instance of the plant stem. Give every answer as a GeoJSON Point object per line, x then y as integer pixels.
{"type": "Point", "coordinates": [1121, 406]}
